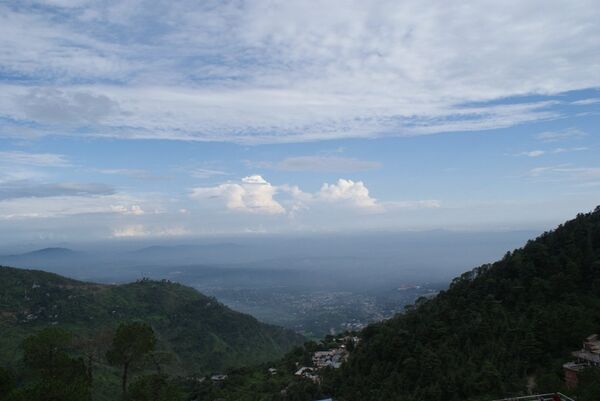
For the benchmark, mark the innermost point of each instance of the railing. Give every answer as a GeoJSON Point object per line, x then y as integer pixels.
{"type": "Point", "coordinates": [538, 397]}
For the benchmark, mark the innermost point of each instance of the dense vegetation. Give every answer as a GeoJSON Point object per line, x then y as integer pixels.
{"type": "Point", "coordinates": [496, 331]}
{"type": "Point", "coordinates": [199, 334]}
{"type": "Point", "coordinates": [492, 329]}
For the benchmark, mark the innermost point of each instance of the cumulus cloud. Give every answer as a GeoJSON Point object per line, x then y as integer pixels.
{"type": "Point", "coordinates": [348, 191]}
{"type": "Point", "coordinates": [253, 195]}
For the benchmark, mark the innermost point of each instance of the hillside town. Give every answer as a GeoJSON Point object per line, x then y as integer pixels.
{"type": "Point", "coordinates": [329, 358]}
{"type": "Point", "coordinates": [587, 356]}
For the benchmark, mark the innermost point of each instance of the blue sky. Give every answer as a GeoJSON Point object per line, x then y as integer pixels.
{"type": "Point", "coordinates": [136, 119]}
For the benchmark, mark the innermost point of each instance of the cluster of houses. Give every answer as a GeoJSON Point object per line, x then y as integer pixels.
{"type": "Point", "coordinates": [587, 356]}
{"type": "Point", "coordinates": [332, 358]}
{"type": "Point", "coordinates": [308, 372]}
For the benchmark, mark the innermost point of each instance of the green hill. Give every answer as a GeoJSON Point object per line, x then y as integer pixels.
{"type": "Point", "coordinates": [202, 334]}
{"type": "Point", "coordinates": [495, 327]}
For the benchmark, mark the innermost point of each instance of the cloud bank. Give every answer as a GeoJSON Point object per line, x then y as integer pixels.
{"type": "Point", "coordinates": [253, 194]}
{"type": "Point", "coordinates": [263, 72]}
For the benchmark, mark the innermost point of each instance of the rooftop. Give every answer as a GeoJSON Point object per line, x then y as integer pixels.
{"type": "Point", "coordinates": [540, 397]}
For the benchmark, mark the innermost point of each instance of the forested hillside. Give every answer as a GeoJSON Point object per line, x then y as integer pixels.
{"type": "Point", "coordinates": [493, 328]}
{"type": "Point", "coordinates": [200, 334]}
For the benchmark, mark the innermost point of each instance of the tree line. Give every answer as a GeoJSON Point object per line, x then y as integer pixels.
{"type": "Point", "coordinates": [57, 367]}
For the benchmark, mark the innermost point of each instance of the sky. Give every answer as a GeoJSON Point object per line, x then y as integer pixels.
{"type": "Point", "coordinates": [157, 119]}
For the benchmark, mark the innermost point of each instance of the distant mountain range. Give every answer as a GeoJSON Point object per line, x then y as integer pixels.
{"type": "Point", "coordinates": [44, 252]}
{"type": "Point", "coordinates": [187, 248]}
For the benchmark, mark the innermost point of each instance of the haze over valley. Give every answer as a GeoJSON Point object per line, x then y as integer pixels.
{"type": "Point", "coordinates": [315, 284]}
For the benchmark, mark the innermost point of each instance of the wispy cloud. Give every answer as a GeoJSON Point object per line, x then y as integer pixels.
{"type": "Point", "coordinates": [318, 163]}
{"type": "Point", "coordinates": [28, 189]}
{"type": "Point", "coordinates": [554, 136]}
{"type": "Point", "coordinates": [206, 173]}
{"type": "Point", "coordinates": [532, 153]}
{"type": "Point", "coordinates": [68, 204]}
{"type": "Point", "coordinates": [141, 231]}
{"type": "Point", "coordinates": [136, 173]}
{"type": "Point", "coordinates": [264, 72]}
{"type": "Point", "coordinates": [538, 153]}
{"type": "Point", "coordinates": [586, 102]}
{"type": "Point", "coordinates": [33, 159]}
{"type": "Point", "coordinates": [567, 173]}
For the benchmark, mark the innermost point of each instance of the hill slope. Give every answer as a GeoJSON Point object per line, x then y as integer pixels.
{"type": "Point", "coordinates": [203, 334]}
{"type": "Point", "coordinates": [494, 326]}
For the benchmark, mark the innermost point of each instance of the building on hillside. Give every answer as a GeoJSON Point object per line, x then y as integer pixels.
{"type": "Point", "coordinates": [588, 356]}
{"type": "Point", "coordinates": [308, 373]}
{"type": "Point", "coordinates": [218, 378]}
{"type": "Point", "coordinates": [331, 358]}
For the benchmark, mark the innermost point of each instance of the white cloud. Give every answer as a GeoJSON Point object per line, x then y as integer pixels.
{"type": "Point", "coordinates": [262, 72]}
{"type": "Point", "coordinates": [253, 195]}
{"type": "Point", "coordinates": [33, 159]}
{"type": "Point", "coordinates": [203, 173]}
{"type": "Point", "coordinates": [136, 231]}
{"type": "Point", "coordinates": [538, 153]}
{"type": "Point", "coordinates": [51, 203]}
{"type": "Point", "coordinates": [32, 189]}
{"type": "Point", "coordinates": [420, 204]}
{"type": "Point", "coordinates": [348, 191]}
{"type": "Point", "coordinates": [326, 163]}
{"type": "Point", "coordinates": [586, 102]}
{"type": "Point", "coordinates": [54, 106]}
{"type": "Point", "coordinates": [533, 153]}
{"type": "Point", "coordinates": [566, 150]}
{"type": "Point", "coordinates": [554, 136]}
{"type": "Point", "coordinates": [135, 210]}
{"type": "Point", "coordinates": [566, 173]}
